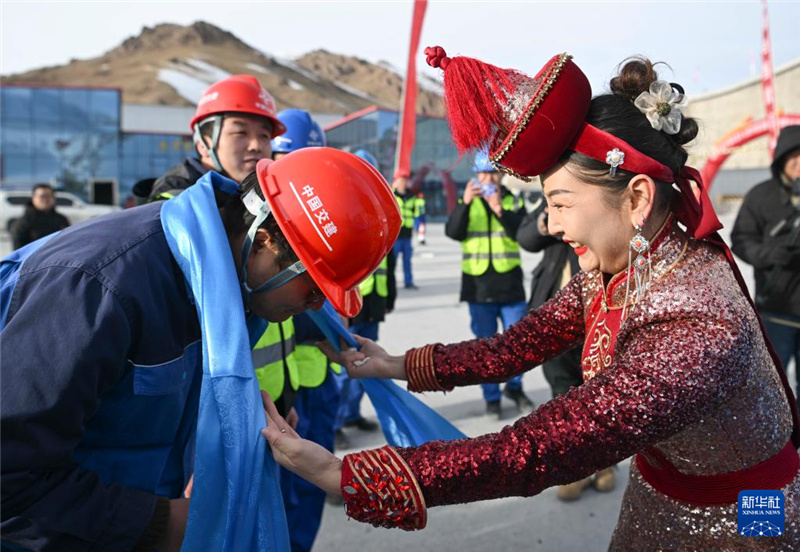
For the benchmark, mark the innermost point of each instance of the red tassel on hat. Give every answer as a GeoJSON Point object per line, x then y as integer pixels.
{"type": "Point", "coordinates": [475, 95]}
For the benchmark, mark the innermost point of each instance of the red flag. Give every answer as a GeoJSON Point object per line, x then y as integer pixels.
{"type": "Point", "coordinates": [408, 122]}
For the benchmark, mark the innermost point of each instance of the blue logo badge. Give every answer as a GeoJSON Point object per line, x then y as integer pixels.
{"type": "Point", "coordinates": [761, 513]}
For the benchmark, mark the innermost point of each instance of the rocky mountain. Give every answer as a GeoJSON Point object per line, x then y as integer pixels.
{"type": "Point", "coordinates": [172, 65]}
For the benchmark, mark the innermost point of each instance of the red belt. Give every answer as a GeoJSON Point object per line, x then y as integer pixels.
{"type": "Point", "coordinates": [724, 488]}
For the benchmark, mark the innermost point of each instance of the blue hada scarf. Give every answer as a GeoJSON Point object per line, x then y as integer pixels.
{"type": "Point", "coordinates": [236, 503]}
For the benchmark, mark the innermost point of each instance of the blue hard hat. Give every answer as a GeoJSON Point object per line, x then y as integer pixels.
{"type": "Point", "coordinates": [368, 157]}
{"type": "Point", "coordinates": [481, 162]}
{"type": "Point", "coordinates": [301, 132]}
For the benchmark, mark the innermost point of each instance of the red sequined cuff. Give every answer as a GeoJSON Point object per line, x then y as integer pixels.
{"type": "Point", "coordinates": [420, 371]}
{"type": "Point", "coordinates": [379, 488]}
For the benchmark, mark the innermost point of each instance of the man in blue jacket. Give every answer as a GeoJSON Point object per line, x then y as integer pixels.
{"type": "Point", "coordinates": [109, 346]}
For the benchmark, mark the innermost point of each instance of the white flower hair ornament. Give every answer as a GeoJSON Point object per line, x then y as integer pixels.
{"type": "Point", "coordinates": [663, 106]}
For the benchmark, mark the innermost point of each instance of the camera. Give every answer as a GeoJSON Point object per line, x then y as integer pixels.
{"type": "Point", "coordinates": [488, 189]}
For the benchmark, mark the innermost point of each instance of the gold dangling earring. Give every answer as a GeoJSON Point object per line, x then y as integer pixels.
{"type": "Point", "coordinates": [642, 268]}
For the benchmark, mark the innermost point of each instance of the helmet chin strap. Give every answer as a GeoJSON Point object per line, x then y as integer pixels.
{"type": "Point", "coordinates": [216, 130]}
{"type": "Point", "coordinates": [261, 210]}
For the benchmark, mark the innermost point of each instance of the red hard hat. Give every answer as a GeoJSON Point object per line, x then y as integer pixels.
{"type": "Point", "coordinates": [240, 94]}
{"type": "Point", "coordinates": [338, 214]}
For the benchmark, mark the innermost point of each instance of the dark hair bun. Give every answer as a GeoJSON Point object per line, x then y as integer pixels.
{"type": "Point", "coordinates": [635, 76]}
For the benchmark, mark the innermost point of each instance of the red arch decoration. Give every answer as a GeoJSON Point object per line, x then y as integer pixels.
{"type": "Point", "coordinates": [769, 125]}
{"type": "Point", "coordinates": [754, 130]}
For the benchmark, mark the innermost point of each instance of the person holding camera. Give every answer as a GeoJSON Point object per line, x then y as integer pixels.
{"type": "Point", "coordinates": [485, 222]}
{"type": "Point", "coordinates": [767, 235]}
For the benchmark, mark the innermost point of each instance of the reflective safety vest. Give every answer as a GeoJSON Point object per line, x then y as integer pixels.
{"type": "Point", "coordinates": [407, 210]}
{"type": "Point", "coordinates": [419, 207]}
{"type": "Point", "coordinates": [274, 357]}
{"type": "Point", "coordinates": [377, 281]}
{"type": "Point", "coordinates": [312, 365]}
{"type": "Point", "coordinates": [487, 240]}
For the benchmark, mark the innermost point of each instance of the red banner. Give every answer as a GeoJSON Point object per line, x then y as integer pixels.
{"type": "Point", "coordinates": [408, 122]}
{"type": "Point", "coordinates": [754, 130]}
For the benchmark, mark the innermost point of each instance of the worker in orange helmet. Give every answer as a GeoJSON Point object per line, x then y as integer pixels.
{"type": "Point", "coordinates": [232, 128]}
{"type": "Point", "coordinates": [149, 316]}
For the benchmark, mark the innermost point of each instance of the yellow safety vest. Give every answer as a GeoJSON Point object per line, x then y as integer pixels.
{"type": "Point", "coordinates": [487, 240]}
{"type": "Point", "coordinates": [274, 356]}
{"type": "Point", "coordinates": [407, 210]}
{"type": "Point", "coordinates": [419, 207]}
{"type": "Point", "coordinates": [377, 281]}
{"type": "Point", "coordinates": [312, 365]}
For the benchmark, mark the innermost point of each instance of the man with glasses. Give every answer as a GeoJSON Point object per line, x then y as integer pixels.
{"type": "Point", "coordinates": [126, 359]}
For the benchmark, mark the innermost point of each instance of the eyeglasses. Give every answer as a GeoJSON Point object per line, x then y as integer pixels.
{"type": "Point", "coordinates": [314, 294]}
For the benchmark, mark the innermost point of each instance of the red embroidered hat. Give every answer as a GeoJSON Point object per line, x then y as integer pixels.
{"type": "Point", "coordinates": [527, 122]}
{"type": "Point", "coordinates": [539, 133]}
{"type": "Point", "coordinates": [530, 122]}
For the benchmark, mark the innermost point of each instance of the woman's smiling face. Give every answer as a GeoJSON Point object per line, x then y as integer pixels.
{"type": "Point", "coordinates": [584, 216]}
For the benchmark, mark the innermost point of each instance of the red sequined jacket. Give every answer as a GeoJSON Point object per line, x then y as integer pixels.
{"type": "Point", "coordinates": [687, 372]}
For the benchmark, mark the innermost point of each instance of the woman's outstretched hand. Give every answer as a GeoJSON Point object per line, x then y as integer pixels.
{"type": "Point", "coordinates": [305, 458]}
{"type": "Point", "coordinates": [372, 361]}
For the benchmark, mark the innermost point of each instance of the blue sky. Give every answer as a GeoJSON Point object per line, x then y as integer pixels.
{"type": "Point", "coordinates": [709, 45]}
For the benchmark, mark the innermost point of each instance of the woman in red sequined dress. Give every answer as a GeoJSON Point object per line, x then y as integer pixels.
{"type": "Point", "coordinates": [676, 367]}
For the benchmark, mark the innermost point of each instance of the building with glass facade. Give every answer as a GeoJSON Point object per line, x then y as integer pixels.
{"type": "Point", "coordinates": [149, 156]}
{"type": "Point", "coordinates": [375, 130]}
{"type": "Point", "coordinates": [70, 136]}
{"type": "Point", "coordinates": [67, 136]}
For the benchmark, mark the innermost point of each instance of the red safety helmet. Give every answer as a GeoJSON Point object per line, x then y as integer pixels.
{"type": "Point", "coordinates": [238, 94]}
{"type": "Point", "coordinates": [338, 214]}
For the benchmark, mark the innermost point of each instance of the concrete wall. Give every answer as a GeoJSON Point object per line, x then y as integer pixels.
{"type": "Point", "coordinates": [156, 119]}
{"type": "Point", "coordinates": [168, 119]}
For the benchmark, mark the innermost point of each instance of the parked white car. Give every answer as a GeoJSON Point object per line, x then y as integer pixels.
{"type": "Point", "coordinates": [14, 202]}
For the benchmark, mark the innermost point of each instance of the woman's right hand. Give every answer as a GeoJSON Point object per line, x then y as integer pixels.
{"type": "Point", "coordinates": [372, 361]}
{"type": "Point", "coordinates": [302, 457]}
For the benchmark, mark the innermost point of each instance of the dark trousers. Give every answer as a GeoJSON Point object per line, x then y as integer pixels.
{"type": "Point", "coordinates": [403, 247]}
{"type": "Point", "coordinates": [351, 390]}
{"type": "Point", "coordinates": [484, 317]}
{"type": "Point", "coordinates": [564, 371]}
{"type": "Point", "coordinates": [304, 502]}
{"type": "Point", "coordinates": [786, 340]}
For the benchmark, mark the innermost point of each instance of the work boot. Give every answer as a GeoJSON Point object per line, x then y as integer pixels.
{"type": "Point", "coordinates": [363, 424]}
{"type": "Point", "coordinates": [493, 409]}
{"type": "Point", "coordinates": [605, 480]}
{"type": "Point", "coordinates": [524, 404]}
{"type": "Point", "coordinates": [573, 491]}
